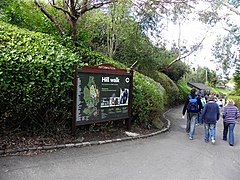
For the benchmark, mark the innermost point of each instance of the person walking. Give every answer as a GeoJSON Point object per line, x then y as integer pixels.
{"type": "Point", "coordinates": [203, 101]}
{"type": "Point", "coordinates": [230, 115]}
{"type": "Point", "coordinates": [210, 115]}
{"type": "Point", "coordinates": [193, 106]}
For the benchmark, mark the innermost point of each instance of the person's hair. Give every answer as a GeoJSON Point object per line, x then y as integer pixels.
{"type": "Point", "coordinates": [211, 98]}
{"type": "Point", "coordinates": [193, 91]}
{"type": "Point", "coordinates": [230, 101]}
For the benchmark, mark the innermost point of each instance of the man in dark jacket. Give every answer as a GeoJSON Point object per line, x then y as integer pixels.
{"type": "Point", "coordinates": [210, 115]}
{"type": "Point", "coordinates": [193, 106]}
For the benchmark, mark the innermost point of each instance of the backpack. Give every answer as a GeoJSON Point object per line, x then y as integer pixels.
{"type": "Point", "coordinates": [203, 100]}
{"type": "Point", "coordinates": [192, 104]}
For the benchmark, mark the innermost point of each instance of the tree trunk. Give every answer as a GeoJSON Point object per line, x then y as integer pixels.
{"type": "Point", "coordinates": [73, 25]}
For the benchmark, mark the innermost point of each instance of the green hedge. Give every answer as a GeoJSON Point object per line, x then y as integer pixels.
{"type": "Point", "coordinates": [184, 90]}
{"type": "Point", "coordinates": [149, 99]}
{"type": "Point", "coordinates": [36, 76]}
{"type": "Point", "coordinates": [172, 92]}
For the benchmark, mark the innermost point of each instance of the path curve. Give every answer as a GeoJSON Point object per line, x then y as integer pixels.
{"type": "Point", "coordinates": [166, 156]}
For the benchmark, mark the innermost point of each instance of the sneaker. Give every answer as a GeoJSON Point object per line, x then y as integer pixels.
{"type": "Point", "coordinates": [190, 138]}
{"type": "Point", "coordinates": [231, 144]}
{"type": "Point", "coordinates": [206, 141]}
{"type": "Point", "coordinates": [213, 141]}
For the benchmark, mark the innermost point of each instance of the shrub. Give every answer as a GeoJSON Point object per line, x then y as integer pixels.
{"type": "Point", "coordinates": [149, 99]}
{"type": "Point", "coordinates": [36, 76]}
{"type": "Point", "coordinates": [172, 92]}
{"type": "Point", "coordinates": [184, 90]}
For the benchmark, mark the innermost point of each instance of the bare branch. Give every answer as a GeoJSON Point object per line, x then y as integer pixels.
{"type": "Point", "coordinates": [65, 11]}
{"type": "Point", "coordinates": [188, 54]}
{"type": "Point", "coordinates": [84, 7]}
{"type": "Point", "coordinates": [232, 8]}
{"type": "Point", "coordinates": [66, 6]}
{"type": "Point", "coordinates": [45, 12]}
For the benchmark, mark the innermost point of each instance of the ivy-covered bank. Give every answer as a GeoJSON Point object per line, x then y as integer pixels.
{"type": "Point", "coordinates": [36, 75]}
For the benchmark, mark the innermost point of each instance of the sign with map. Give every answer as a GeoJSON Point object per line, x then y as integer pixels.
{"type": "Point", "coordinates": [102, 93]}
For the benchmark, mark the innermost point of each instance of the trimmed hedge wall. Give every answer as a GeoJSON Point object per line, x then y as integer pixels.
{"type": "Point", "coordinates": [35, 77]}
{"type": "Point", "coordinates": [149, 99]}
{"type": "Point", "coordinates": [172, 91]}
{"type": "Point", "coordinates": [184, 91]}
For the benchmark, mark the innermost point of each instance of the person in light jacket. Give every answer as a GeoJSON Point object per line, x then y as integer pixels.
{"type": "Point", "coordinates": [230, 115]}
{"type": "Point", "coordinates": [210, 115]}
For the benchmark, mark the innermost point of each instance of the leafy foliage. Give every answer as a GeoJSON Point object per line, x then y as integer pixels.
{"type": "Point", "coordinates": [237, 78]}
{"type": "Point", "coordinates": [25, 15]}
{"type": "Point", "coordinates": [149, 99]}
{"type": "Point", "coordinates": [183, 90]}
{"type": "Point", "coordinates": [172, 92]}
{"type": "Point", "coordinates": [36, 77]}
{"type": "Point", "coordinates": [175, 72]}
{"type": "Point", "coordinates": [199, 75]}
{"type": "Point", "coordinates": [225, 56]}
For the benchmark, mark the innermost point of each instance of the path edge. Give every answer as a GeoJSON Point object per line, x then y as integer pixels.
{"type": "Point", "coordinates": [90, 143]}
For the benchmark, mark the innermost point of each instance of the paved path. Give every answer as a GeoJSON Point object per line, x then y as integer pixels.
{"type": "Point", "coordinates": [166, 156]}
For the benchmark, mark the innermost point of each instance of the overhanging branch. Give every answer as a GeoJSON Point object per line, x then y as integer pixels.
{"type": "Point", "coordinates": [188, 54]}
{"type": "Point", "coordinates": [232, 8]}
{"type": "Point", "coordinates": [84, 8]}
{"type": "Point", "coordinates": [65, 11]}
{"type": "Point", "coordinates": [45, 12]}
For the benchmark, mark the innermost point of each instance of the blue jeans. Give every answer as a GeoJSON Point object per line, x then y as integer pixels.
{"type": "Point", "coordinates": [198, 118]}
{"type": "Point", "coordinates": [191, 119]}
{"type": "Point", "coordinates": [230, 127]}
{"type": "Point", "coordinates": [210, 130]}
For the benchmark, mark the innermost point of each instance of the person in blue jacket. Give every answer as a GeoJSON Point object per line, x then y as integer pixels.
{"type": "Point", "coordinates": [210, 115]}
{"type": "Point", "coordinates": [193, 106]}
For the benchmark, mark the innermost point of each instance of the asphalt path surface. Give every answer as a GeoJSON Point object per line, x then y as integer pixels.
{"type": "Point", "coordinates": [170, 155]}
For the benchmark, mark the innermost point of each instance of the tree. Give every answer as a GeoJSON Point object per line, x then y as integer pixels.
{"type": "Point", "coordinates": [237, 78]}
{"type": "Point", "coordinates": [225, 55]}
{"type": "Point", "coordinates": [73, 10]}
{"type": "Point", "coordinates": [202, 75]}
{"type": "Point", "coordinates": [226, 48]}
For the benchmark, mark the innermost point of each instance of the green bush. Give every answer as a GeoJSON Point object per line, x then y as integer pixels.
{"type": "Point", "coordinates": [184, 90]}
{"type": "Point", "coordinates": [36, 76]}
{"type": "Point", "coordinates": [149, 99]}
{"type": "Point", "coordinates": [25, 14]}
{"type": "Point", "coordinates": [172, 92]}
{"type": "Point", "coordinates": [176, 71]}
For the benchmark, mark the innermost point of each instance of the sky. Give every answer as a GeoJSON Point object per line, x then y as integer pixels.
{"type": "Point", "coordinates": [192, 32]}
